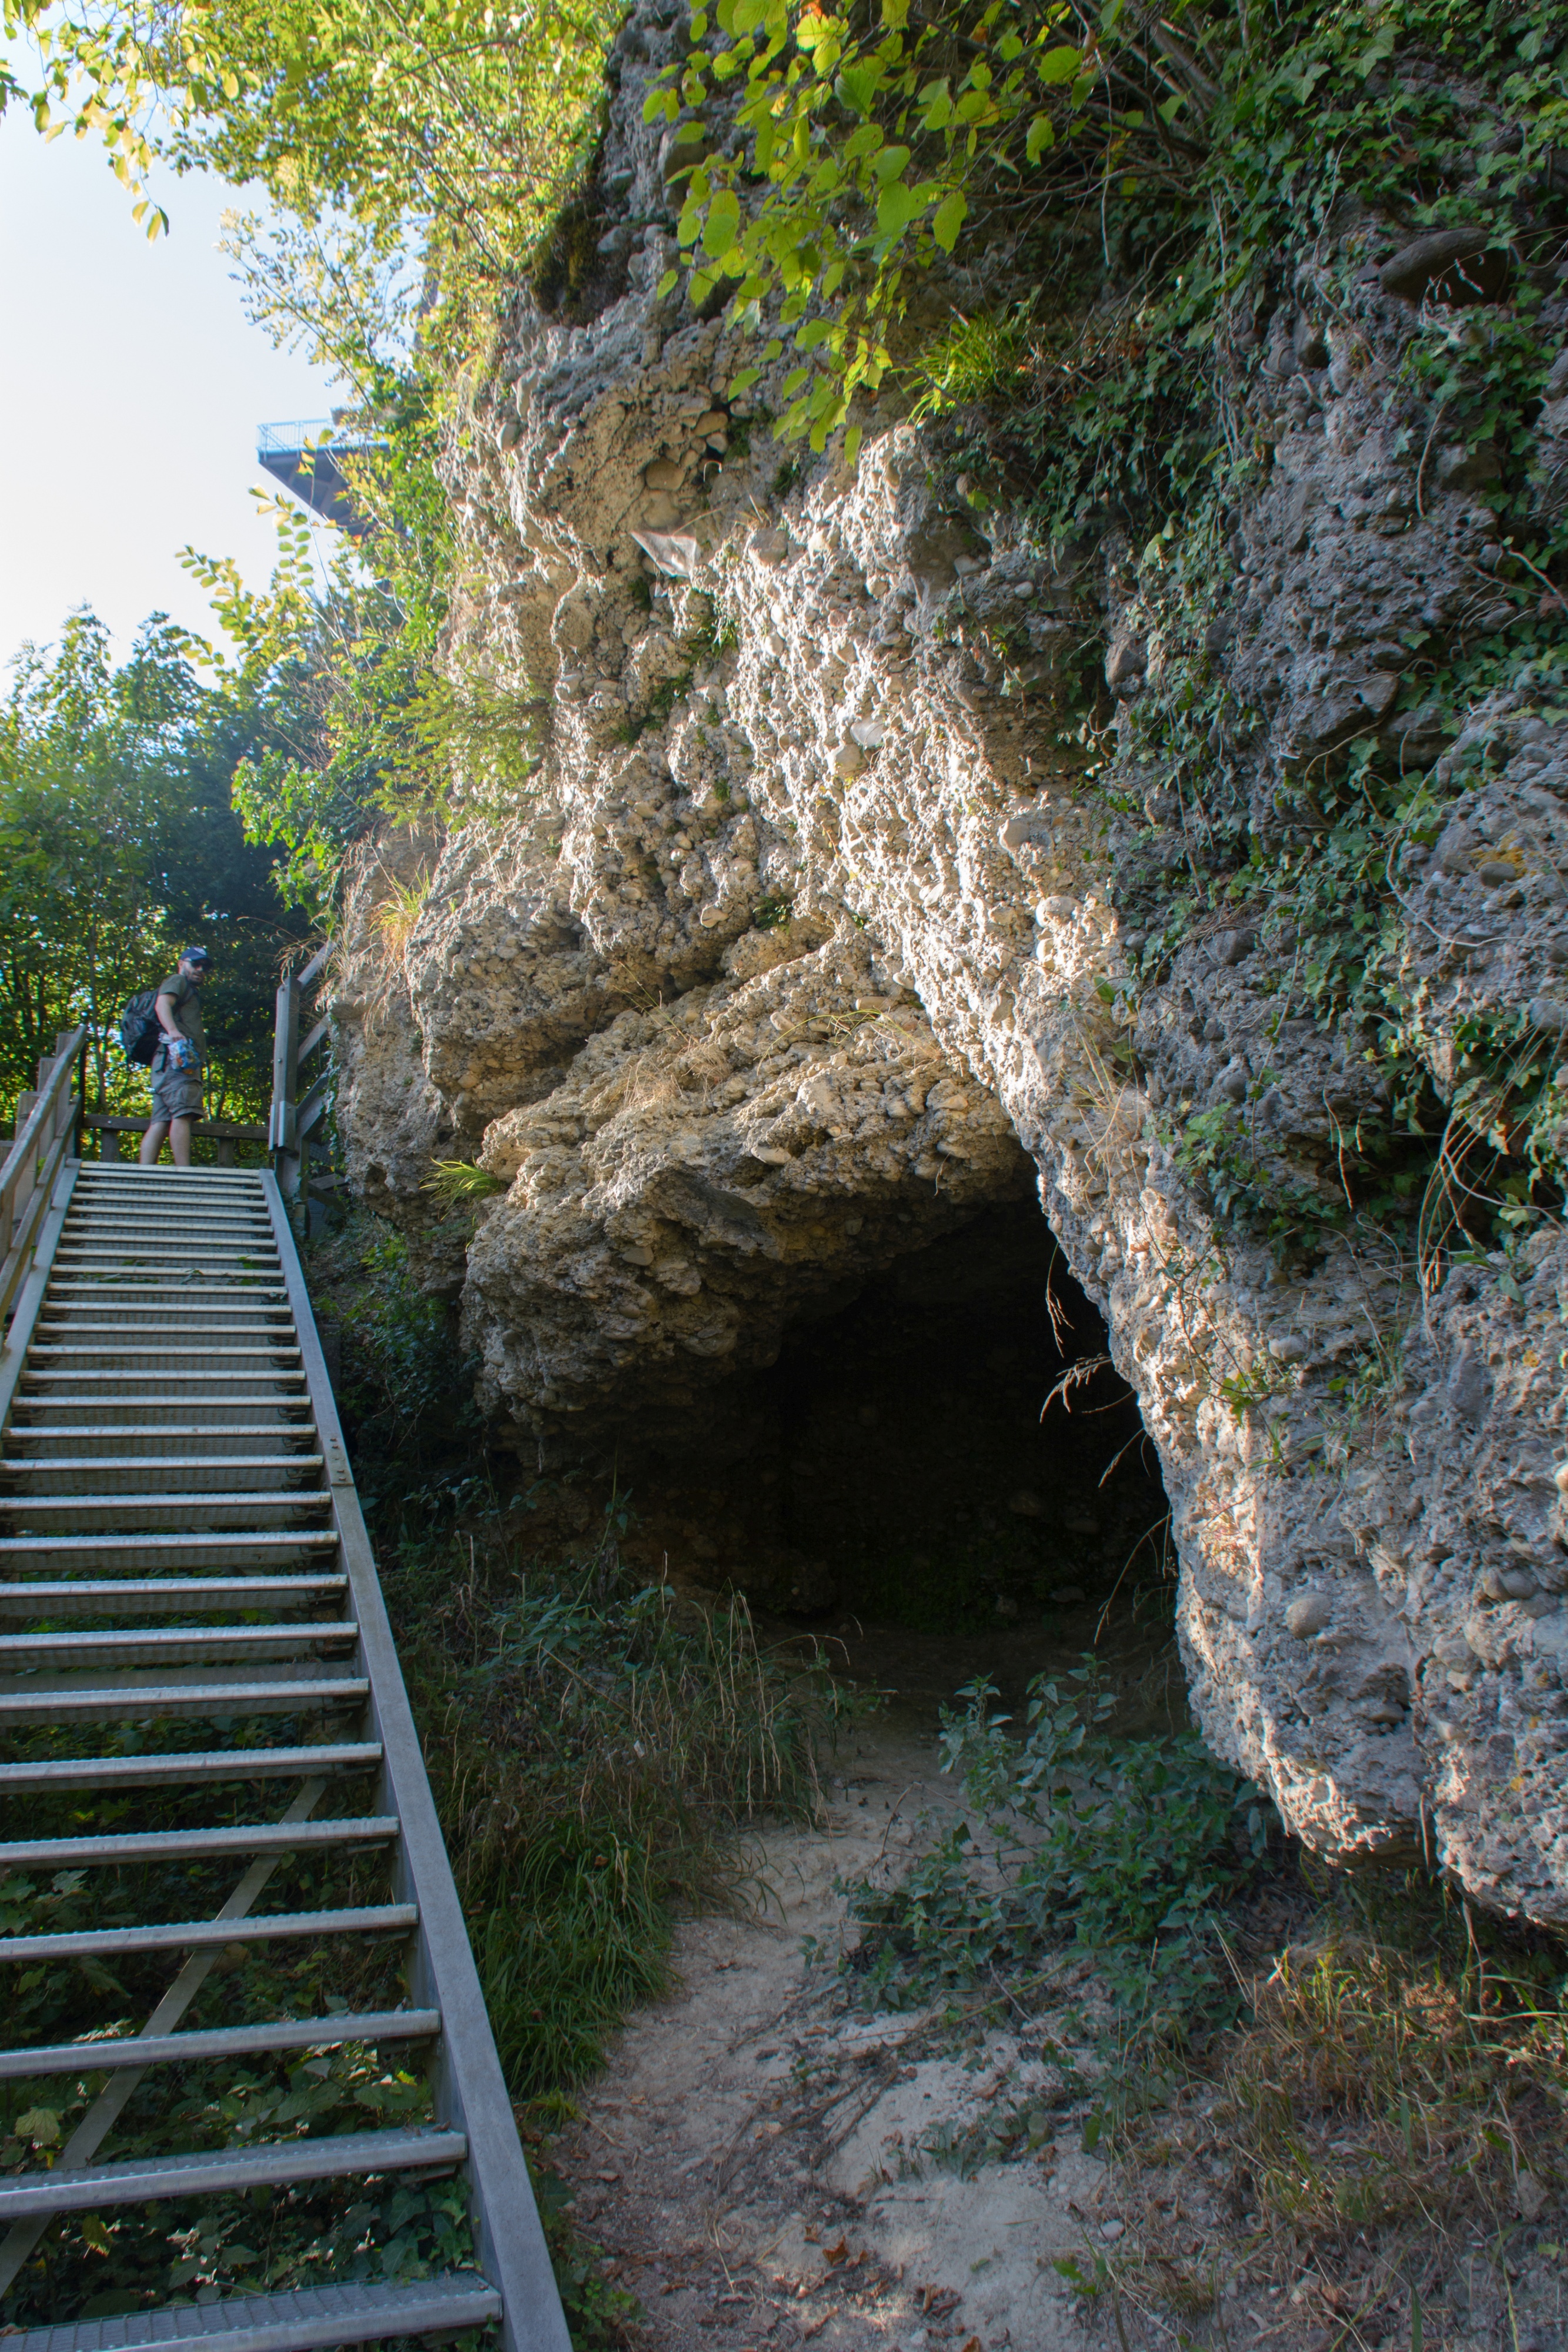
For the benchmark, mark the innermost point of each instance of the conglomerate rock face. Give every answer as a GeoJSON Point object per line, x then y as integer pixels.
{"type": "Point", "coordinates": [815, 935]}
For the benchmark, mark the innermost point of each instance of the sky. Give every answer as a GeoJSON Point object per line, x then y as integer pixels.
{"type": "Point", "coordinates": [132, 383]}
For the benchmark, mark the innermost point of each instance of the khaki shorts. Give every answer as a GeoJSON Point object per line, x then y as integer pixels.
{"type": "Point", "coordinates": [176, 1093]}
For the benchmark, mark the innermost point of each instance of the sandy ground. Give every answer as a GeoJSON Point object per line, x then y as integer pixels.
{"type": "Point", "coordinates": [756, 2159]}
{"type": "Point", "coordinates": [766, 2164]}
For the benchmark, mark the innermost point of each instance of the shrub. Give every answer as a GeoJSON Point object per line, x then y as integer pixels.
{"type": "Point", "coordinates": [1126, 1849]}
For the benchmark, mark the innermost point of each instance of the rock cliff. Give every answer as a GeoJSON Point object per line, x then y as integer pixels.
{"type": "Point", "coordinates": [829, 919]}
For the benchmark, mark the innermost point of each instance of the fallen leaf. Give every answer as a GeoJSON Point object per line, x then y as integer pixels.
{"type": "Point", "coordinates": [970, 2344]}
{"type": "Point", "coordinates": [833, 2255]}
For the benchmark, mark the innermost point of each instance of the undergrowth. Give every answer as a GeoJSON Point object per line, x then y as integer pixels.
{"type": "Point", "coordinates": [1124, 1851]}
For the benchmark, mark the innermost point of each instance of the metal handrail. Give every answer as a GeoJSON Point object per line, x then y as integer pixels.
{"type": "Point", "coordinates": [292, 1118]}
{"type": "Point", "coordinates": [291, 439]}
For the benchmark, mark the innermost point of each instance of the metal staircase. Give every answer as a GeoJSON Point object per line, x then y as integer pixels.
{"type": "Point", "coordinates": [197, 1674]}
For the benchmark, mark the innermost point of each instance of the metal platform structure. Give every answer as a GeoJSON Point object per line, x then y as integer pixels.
{"type": "Point", "coordinates": [302, 458]}
{"type": "Point", "coordinates": [196, 1668]}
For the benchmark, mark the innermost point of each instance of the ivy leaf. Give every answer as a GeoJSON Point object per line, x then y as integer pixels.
{"type": "Point", "coordinates": [1060, 65]}
{"type": "Point", "coordinates": [950, 216]}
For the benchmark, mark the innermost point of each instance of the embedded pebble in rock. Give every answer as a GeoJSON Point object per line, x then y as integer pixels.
{"type": "Point", "coordinates": [811, 941]}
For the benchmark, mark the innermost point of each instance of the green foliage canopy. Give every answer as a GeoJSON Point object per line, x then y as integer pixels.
{"type": "Point", "coordinates": [118, 847]}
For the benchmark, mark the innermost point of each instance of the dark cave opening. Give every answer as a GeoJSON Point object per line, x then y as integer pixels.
{"type": "Point", "coordinates": [899, 1466]}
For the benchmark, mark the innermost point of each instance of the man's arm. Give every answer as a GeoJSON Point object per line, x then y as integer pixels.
{"type": "Point", "coordinates": [165, 1010]}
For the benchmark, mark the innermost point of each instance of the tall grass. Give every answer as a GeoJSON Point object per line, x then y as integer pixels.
{"type": "Point", "coordinates": [592, 1745]}
{"type": "Point", "coordinates": [1397, 2071]}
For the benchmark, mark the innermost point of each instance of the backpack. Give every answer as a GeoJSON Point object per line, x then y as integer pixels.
{"type": "Point", "coordinates": [141, 1033]}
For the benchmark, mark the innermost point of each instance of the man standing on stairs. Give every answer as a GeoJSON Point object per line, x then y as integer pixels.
{"type": "Point", "coordinates": [176, 1071]}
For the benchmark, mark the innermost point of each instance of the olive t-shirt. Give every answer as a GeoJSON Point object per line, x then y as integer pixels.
{"type": "Point", "coordinates": [186, 999]}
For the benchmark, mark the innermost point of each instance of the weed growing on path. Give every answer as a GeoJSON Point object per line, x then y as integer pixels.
{"type": "Point", "coordinates": [1128, 1850]}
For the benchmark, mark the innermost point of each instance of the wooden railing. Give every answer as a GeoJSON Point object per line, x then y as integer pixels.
{"type": "Point", "coordinates": [46, 1118]}
{"type": "Point", "coordinates": [295, 1116]}
{"type": "Point", "coordinates": [224, 1132]}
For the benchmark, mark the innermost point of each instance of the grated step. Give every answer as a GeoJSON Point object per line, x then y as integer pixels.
{"type": "Point", "coordinates": [173, 1769]}
{"type": "Point", "coordinates": [153, 1596]}
{"type": "Point", "coordinates": [305, 2321]}
{"type": "Point", "coordinates": [152, 1701]}
{"type": "Point", "coordinates": [221, 1508]}
{"type": "Point", "coordinates": [181, 1845]}
{"type": "Point", "coordinates": [220, 2042]}
{"type": "Point", "coordinates": [285, 1471]}
{"type": "Point", "coordinates": [125, 1443]}
{"type": "Point", "coordinates": [260, 1547]}
{"type": "Point", "coordinates": [193, 1934]}
{"type": "Point", "coordinates": [136, 2180]}
{"type": "Point", "coordinates": [170, 1646]}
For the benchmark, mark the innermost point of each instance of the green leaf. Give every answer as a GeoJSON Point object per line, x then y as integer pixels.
{"type": "Point", "coordinates": [742, 382]}
{"type": "Point", "coordinates": [852, 445]}
{"type": "Point", "coordinates": [1040, 137]}
{"type": "Point", "coordinates": [897, 206]}
{"type": "Point", "coordinates": [668, 283]}
{"type": "Point", "coordinates": [889, 163]}
{"type": "Point", "coordinates": [749, 14]}
{"type": "Point", "coordinates": [951, 214]}
{"type": "Point", "coordinates": [1060, 65]}
{"type": "Point", "coordinates": [857, 87]}
{"type": "Point", "coordinates": [721, 225]}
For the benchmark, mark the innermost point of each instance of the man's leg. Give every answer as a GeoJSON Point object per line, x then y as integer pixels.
{"type": "Point", "coordinates": [180, 1141]}
{"type": "Point", "coordinates": [152, 1141]}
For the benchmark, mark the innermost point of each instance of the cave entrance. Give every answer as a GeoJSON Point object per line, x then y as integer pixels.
{"type": "Point", "coordinates": [893, 1481]}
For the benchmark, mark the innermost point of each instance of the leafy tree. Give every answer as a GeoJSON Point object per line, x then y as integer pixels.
{"type": "Point", "coordinates": [118, 847]}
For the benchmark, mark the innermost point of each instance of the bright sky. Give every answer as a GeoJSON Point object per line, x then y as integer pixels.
{"type": "Point", "coordinates": [130, 387]}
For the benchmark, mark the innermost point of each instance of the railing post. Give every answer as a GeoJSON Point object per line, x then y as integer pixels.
{"type": "Point", "coordinates": [283, 1123]}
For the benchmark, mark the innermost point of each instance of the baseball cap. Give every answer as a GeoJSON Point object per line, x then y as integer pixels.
{"type": "Point", "coordinates": [195, 955]}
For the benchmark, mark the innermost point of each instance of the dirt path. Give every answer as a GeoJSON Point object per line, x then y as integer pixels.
{"type": "Point", "coordinates": [756, 2158]}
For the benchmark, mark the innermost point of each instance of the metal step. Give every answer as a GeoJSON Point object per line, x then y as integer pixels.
{"type": "Point", "coordinates": [151, 1420]}
{"type": "Point", "coordinates": [306, 2321]}
{"type": "Point", "coordinates": [43, 1514]}
{"type": "Point", "coordinates": [221, 2041]}
{"type": "Point", "coordinates": [172, 1646]}
{"type": "Point", "coordinates": [64, 1474]}
{"type": "Point", "coordinates": [247, 1547]}
{"type": "Point", "coordinates": [46, 1443]}
{"type": "Point", "coordinates": [185, 1845]}
{"type": "Point", "coordinates": [160, 1596]}
{"type": "Point", "coordinates": [182, 1768]}
{"type": "Point", "coordinates": [133, 2182]}
{"type": "Point", "coordinates": [154, 1701]}
{"type": "Point", "coordinates": [190, 1935]}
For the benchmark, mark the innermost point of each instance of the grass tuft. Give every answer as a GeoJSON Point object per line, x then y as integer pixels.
{"type": "Point", "coordinates": [1383, 2083]}
{"type": "Point", "coordinates": [459, 1181]}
